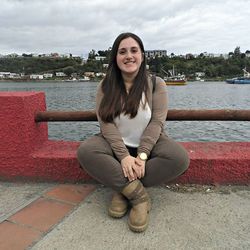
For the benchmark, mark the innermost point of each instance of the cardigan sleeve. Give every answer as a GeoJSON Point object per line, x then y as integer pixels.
{"type": "Point", "coordinates": [159, 113]}
{"type": "Point", "coordinates": [110, 132]}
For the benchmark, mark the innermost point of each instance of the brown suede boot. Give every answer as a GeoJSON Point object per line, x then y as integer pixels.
{"type": "Point", "coordinates": [118, 206]}
{"type": "Point", "coordinates": [138, 196]}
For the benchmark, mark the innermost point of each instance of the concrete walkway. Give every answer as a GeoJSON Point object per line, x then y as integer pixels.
{"type": "Point", "coordinates": [53, 216]}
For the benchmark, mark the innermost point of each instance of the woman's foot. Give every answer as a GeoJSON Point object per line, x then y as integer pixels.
{"type": "Point", "coordinates": [118, 206]}
{"type": "Point", "coordinates": [139, 214]}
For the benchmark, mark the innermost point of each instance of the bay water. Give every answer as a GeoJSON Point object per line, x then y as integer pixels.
{"type": "Point", "coordinates": [79, 96]}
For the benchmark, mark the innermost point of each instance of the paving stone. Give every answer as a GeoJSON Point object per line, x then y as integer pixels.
{"type": "Point", "coordinates": [70, 193]}
{"type": "Point", "coordinates": [42, 214]}
{"type": "Point", "coordinates": [16, 237]}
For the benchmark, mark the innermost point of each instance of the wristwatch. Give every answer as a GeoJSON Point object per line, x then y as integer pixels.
{"type": "Point", "coordinates": [143, 156]}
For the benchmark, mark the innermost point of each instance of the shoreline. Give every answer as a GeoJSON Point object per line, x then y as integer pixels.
{"type": "Point", "coordinates": [35, 80]}
{"type": "Point", "coordinates": [92, 80]}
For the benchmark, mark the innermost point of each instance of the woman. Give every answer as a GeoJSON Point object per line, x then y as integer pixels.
{"type": "Point", "coordinates": [132, 152]}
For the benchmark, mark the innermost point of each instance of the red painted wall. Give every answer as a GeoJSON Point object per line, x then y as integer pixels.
{"type": "Point", "coordinates": [27, 154]}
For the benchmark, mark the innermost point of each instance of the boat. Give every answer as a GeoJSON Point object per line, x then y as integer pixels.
{"type": "Point", "coordinates": [174, 79]}
{"type": "Point", "coordinates": [71, 80]}
{"type": "Point", "coordinates": [199, 79]}
{"type": "Point", "coordinates": [84, 79]}
{"type": "Point", "coordinates": [245, 79]}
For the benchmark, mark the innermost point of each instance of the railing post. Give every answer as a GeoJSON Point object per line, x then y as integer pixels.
{"type": "Point", "coordinates": [19, 133]}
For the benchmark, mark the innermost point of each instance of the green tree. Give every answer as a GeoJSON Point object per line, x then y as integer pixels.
{"type": "Point", "coordinates": [92, 55]}
{"type": "Point", "coordinates": [237, 52]}
{"type": "Point", "coordinates": [69, 70]}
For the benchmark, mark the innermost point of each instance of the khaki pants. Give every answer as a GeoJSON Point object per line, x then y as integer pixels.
{"type": "Point", "coordinates": [167, 160]}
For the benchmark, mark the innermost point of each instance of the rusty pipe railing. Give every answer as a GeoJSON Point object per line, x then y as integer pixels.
{"type": "Point", "coordinates": [173, 115]}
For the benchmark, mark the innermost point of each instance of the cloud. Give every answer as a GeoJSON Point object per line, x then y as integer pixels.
{"type": "Point", "coordinates": [76, 27]}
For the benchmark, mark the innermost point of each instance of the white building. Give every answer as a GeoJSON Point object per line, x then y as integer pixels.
{"type": "Point", "coordinates": [36, 77]}
{"type": "Point", "coordinates": [4, 74]}
{"type": "Point", "coordinates": [48, 75]}
{"type": "Point", "coordinates": [89, 74]}
{"type": "Point", "coordinates": [200, 74]}
{"type": "Point", "coordinates": [100, 74]}
{"type": "Point", "coordinates": [60, 74]}
{"type": "Point", "coordinates": [9, 75]}
{"type": "Point", "coordinates": [247, 54]}
{"type": "Point", "coordinates": [154, 53]}
{"type": "Point", "coordinates": [14, 75]}
{"type": "Point", "coordinates": [99, 58]}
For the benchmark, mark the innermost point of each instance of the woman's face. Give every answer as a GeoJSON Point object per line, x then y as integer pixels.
{"type": "Point", "coordinates": [129, 57]}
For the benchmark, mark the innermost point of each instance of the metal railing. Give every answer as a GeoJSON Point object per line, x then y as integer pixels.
{"type": "Point", "coordinates": [173, 115]}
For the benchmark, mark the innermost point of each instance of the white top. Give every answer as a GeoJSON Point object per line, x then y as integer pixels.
{"type": "Point", "coordinates": [131, 129]}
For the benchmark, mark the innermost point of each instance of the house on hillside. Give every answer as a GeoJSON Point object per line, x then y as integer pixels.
{"type": "Point", "coordinates": [89, 74]}
{"type": "Point", "coordinates": [36, 77]}
{"type": "Point", "coordinates": [60, 74]}
{"type": "Point", "coordinates": [154, 53]}
{"type": "Point", "coordinates": [48, 75]}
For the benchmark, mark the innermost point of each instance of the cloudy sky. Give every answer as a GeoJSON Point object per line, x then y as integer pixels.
{"type": "Point", "coordinates": [77, 26]}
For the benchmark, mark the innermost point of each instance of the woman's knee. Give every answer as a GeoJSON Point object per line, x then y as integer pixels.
{"type": "Point", "coordinates": [83, 153]}
{"type": "Point", "coordinates": [174, 153]}
{"type": "Point", "coordinates": [86, 150]}
{"type": "Point", "coordinates": [94, 146]}
{"type": "Point", "coordinates": [179, 161]}
{"type": "Point", "coordinates": [182, 160]}
{"type": "Point", "coordinates": [179, 158]}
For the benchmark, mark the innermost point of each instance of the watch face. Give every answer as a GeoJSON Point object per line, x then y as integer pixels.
{"type": "Point", "coordinates": [143, 156]}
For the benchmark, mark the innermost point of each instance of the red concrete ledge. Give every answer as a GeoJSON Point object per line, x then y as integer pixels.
{"type": "Point", "coordinates": [56, 161]}
{"type": "Point", "coordinates": [217, 163]}
{"type": "Point", "coordinates": [210, 163]}
{"type": "Point", "coordinates": [27, 154]}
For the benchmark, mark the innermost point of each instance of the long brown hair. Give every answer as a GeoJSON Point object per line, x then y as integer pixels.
{"type": "Point", "coordinates": [116, 100]}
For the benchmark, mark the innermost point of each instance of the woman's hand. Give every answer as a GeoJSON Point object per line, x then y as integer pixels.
{"type": "Point", "coordinates": [140, 167]}
{"type": "Point", "coordinates": [128, 166]}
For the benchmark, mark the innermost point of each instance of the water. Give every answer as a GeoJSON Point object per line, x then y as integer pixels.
{"type": "Point", "coordinates": [195, 95]}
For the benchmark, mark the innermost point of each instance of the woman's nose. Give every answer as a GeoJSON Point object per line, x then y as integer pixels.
{"type": "Point", "coordinates": [128, 54]}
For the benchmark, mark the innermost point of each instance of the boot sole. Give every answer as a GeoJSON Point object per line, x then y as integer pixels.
{"type": "Point", "coordinates": [138, 229]}
{"type": "Point", "coordinates": [116, 214]}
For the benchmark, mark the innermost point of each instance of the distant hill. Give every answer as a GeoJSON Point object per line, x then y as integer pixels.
{"type": "Point", "coordinates": [29, 65]}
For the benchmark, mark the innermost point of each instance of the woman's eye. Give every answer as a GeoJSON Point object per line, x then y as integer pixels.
{"type": "Point", "coordinates": [122, 52]}
{"type": "Point", "coordinates": [134, 50]}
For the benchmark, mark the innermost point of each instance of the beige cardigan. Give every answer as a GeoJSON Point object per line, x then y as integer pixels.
{"type": "Point", "coordinates": [158, 105]}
